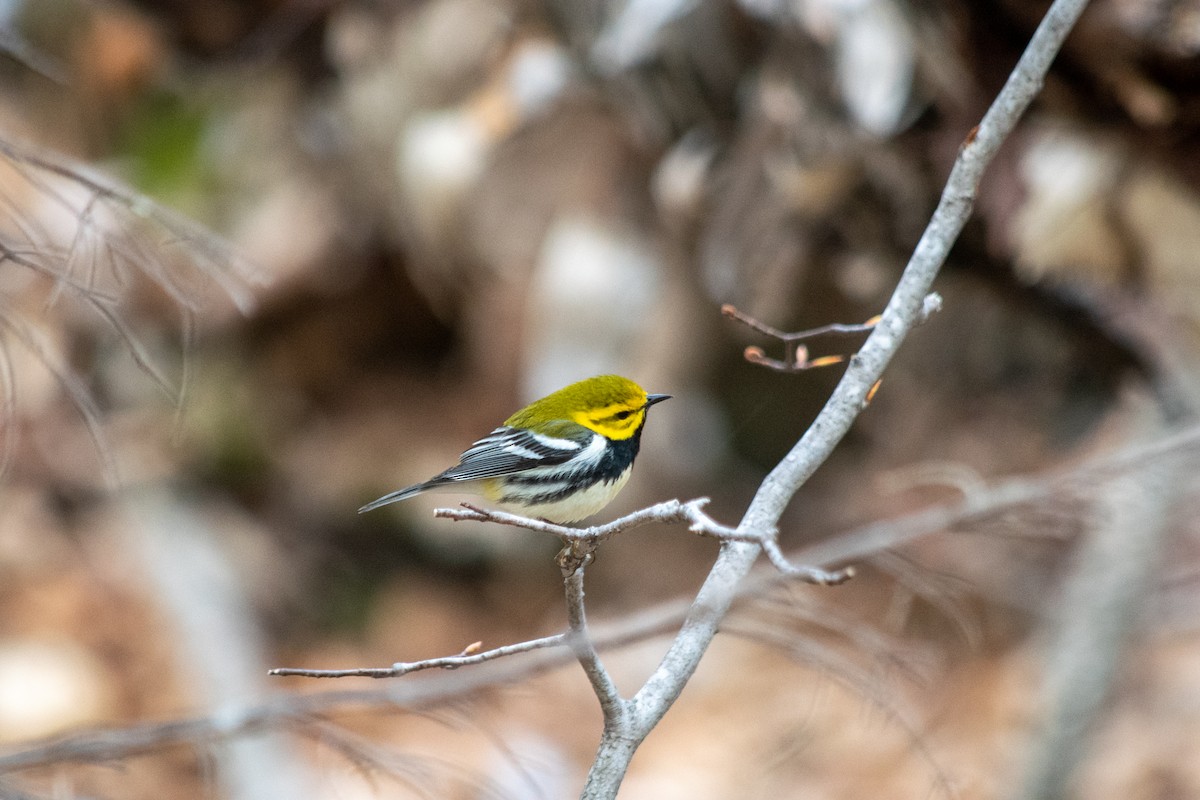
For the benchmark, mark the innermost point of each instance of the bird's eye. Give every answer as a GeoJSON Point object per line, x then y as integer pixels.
{"type": "Point", "coordinates": [623, 414]}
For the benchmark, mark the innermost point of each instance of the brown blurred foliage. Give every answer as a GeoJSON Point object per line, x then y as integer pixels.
{"type": "Point", "coordinates": [454, 206]}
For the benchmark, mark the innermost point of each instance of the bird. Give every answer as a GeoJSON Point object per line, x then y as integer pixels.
{"type": "Point", "coordinates": [561, 458]}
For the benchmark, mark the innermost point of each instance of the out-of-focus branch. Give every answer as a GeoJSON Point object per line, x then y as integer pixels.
{"type": "Point", "coordinates": [20, 330]}
{"type": "Point", "coordinates": [18, 48]}
{"type": "Point", "coordinates": [216, 258]}
{"type": "Point", "coordinates": [1115, 571]}
{"type": "Point", "coordinates": [203, 599]}
{"type": "Point", "coordinates": [86, 237]}
{"type": "Point", "coordinates": [233, 720]}
{"type": "Point", "coordinates": [998, 498]}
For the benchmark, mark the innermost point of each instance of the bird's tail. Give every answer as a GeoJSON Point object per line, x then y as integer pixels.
{"type": "Point", "coordinates": [399, 494]}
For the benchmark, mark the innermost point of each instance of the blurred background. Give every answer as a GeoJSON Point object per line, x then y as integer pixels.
{"type": "Point", "coordinates": [425, 214]}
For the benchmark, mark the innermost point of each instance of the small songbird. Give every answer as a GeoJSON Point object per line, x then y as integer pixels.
{"type": "Point", "coordinates": [561, 458]}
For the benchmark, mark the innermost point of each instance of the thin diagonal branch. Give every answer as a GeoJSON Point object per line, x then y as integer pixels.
{"type": "Point", "coordinates": [865, 369]}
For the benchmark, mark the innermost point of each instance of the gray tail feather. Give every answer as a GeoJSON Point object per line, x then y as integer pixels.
{"type": "Point", "coordinates": [399, 494]}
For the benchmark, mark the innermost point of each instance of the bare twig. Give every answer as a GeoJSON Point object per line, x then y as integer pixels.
{"type": "Point", "coordinates": [670, 511]}
{"type": "Point", "coordinates": [582, 542]}
{"type": "Point", "coordinates": [795, 336]}
{"type": "Point", "coordinates": [803, 572]}
{"type": "Point", "coordinates": [795, 358]}
{"type": "Point", "coordinates": [463, 659]}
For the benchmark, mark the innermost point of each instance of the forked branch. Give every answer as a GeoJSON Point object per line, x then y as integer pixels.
{"type": "Point", "coordinates": [580, 543]}
{"type": "Point", "coordinates": [904, 311]}
{"type": "Point", "coordinates": [629, 721]}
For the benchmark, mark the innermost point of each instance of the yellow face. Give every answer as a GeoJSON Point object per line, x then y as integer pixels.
{"type": "Point", "coordinates": [616, 420]}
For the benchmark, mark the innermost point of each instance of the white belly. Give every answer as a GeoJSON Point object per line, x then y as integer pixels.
{"type": "Point", "coordinates": [577, 506]}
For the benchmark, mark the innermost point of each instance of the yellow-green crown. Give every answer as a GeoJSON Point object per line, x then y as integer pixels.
{"type": "Point", "coordinates": [610, 405]}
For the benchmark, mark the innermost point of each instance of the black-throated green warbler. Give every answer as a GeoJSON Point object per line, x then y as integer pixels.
{"type": "Point", "coordinates": [561, 458]}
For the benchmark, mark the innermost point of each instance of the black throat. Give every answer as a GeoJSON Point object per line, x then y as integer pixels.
{"type": "Point", "coordinates": [618, 456]}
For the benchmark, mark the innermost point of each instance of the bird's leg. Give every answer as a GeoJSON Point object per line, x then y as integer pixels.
{"type": "Point", "coordinates": [575, 555]}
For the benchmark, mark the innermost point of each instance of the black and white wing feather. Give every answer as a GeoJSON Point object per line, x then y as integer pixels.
{"type": "Point", "coordinates": [507, 450]}
{"type": "Point", "coordinates": [504, 451]}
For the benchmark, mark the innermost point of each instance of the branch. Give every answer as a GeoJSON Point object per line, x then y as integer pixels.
{"type": "Point", "coordinates": [615, 707]}
{"type": "Point", "coordinates": [670, 511]}
{"type": "Point", "coordinates": [978, 503]}
{"type": "Point", "coordinates": [983, 502]}
{"type": "Point", "coordinates": [230, 721]}
{"type": "Point", "coordinates": [1102, 602]}
{"type": "Point", "coordinates": [582, 542]}
{"type": "Point", "coordinates": [213, 256]}
{"type": "Point", "coordinates": [865, 369]}
{"type": "Point", "coordinates": [795, 357]}
{"type": "Point", "coordinates": [999, 497]}
{"type": "Point", "coordinates": [839, 328]}
{"type": "Point", "coordinates": [233, 720]}
{"type": "Point", "coordinates": [580, 545]}
{"type": "Point", "coordinates": [87, 235]}
{"type": "Point", "coordinates": [466, 658]}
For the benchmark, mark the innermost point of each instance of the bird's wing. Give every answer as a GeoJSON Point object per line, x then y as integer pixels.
{"type": "Point", "coordinates": [507, 450]}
